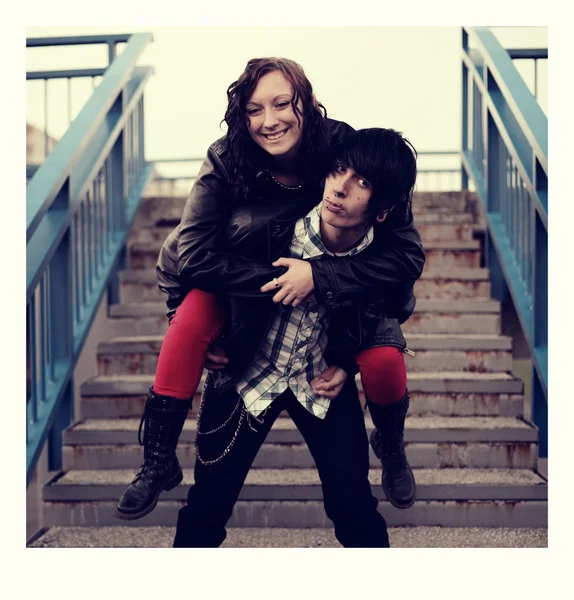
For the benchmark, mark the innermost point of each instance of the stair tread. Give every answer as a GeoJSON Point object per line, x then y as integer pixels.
{"type": "Point", "coordinates": [268, 477]}
{"type": "Point", "coordinates": [438, 341]}
{"type": "Point", "coordinates": [147, 378]}
{"type": "Point", "coordinates": [414, 422]}
{"type": "Point", "coordinates": [250, 537]}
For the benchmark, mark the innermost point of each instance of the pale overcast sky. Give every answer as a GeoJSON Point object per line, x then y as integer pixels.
{"type": "Point", "coordinates": [407, 78]}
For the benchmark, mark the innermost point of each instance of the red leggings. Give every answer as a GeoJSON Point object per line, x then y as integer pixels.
{"type": "Point", "coordinates": [197, 322]}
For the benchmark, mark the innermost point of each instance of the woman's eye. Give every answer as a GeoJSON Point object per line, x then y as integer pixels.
{"type": "Point", "coordinates": [252, 111]}
{"type": "Point", "coordinates": [283, 104]}
{"type": "Point", "coordinates": [340, 169]}
{"type": "Point", "coordinates": [364, 183]}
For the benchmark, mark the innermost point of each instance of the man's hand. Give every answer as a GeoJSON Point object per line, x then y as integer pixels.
{"type": "Point", "coordinates": [295, 285]}
{"type": "Point", "coordinates": [215, 360]}
{"type": "Point", "coordinates": [330, 382]}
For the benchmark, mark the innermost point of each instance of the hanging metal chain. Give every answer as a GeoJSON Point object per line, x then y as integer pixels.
{"type": "Point", "coordinates": [198, 432]}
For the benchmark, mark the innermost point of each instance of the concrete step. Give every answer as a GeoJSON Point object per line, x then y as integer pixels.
{"type": "Point", "coordinates": [311, 513]}
{"type": "Point", "coordinates": [432, 217]}
{"type": "Point", "coordinates": [431, 316]}
{"type": "Point", "coordinates": [451, 283]}
{"type": "Point", "coordinates": [431, 455]}
{"type": "Point", "coordinates": [438, 231]}
{"type": "Point", "coordinates": [292, 498]}
{"type": "Point", "coordinates": [439, 254]}
{"type": "Point", "coordinates": [434, 352]}
{"type": "Point", "coordinates": [421, 403]}
{"type": "Point", "coordinates": [304, 484]}
{"type": "Point", "coordinates": [406, 537]}
{"type": "Point", "coordinates": [440, 393]}
{"type": "Point", "coordinates": [449, 202]}
{"type": "Point", "coordinates": [431, 429]}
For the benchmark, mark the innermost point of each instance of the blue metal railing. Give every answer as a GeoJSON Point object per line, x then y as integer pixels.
{"type": "Point", "coordinates": [95, 74]}
{"type": "Point", "coordinates": [79, 206]}
{"type": "Point", "coordinates": [505, 153]}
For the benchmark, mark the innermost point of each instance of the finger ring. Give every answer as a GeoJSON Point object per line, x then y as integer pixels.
{"type": "Point", "coordinates": [275, 282]}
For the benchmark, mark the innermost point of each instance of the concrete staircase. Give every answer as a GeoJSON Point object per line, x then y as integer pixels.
{"type": "Point", "coordinates": [473, 453]}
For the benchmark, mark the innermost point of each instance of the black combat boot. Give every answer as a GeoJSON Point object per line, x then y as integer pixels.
{"type": "Point", "coordinates": [163, 417]}
{"type": "Point", "coordinates": [387, 442]}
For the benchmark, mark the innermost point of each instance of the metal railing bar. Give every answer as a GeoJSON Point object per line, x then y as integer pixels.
{"type": "Point", "coordinates": [78, 40]}
{"type": "Point", "coordinates": [46, 138]}
{"type": "Point", "coordinates": [32, 358]}
{"type": "Point", "coordinates": [65, 73]}
{"type": "Point", "coordinates": [42, 325]}
{"type": "Point", "coordinates": [534, 53]}
{"type": "Point", "coordinates": [69, 101]}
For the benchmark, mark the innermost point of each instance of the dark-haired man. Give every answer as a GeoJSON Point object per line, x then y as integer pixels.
{"type": "Point", "coordinates": [306, 363]}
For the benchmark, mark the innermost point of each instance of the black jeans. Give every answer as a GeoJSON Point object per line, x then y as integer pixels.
{"type": "Point", "coordinates": [338, 444]}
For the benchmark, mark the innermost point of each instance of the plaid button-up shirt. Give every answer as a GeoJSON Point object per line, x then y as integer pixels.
{"type": "Point", "coordinates": [291, 355]}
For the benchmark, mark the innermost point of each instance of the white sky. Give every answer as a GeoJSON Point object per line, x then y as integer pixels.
{"type": "Point", "coordinates": [407, 78]}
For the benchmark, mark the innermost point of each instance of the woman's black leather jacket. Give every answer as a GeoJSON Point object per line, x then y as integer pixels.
{"type": "Point", "coordinates": [225, 246]}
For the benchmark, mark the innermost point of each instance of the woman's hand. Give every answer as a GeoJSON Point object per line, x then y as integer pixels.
{"type": "Point", "coordinates": [215, 360]}
{"type": "Point", "coordinates": [295, 285]}
{"type": "Point", "coordinates": [330, 382]}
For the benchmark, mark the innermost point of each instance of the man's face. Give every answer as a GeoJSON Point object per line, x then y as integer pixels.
{"type": "Point", "coordinates": [346, 196]}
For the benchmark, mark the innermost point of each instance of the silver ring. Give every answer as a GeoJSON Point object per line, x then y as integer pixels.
{"type": "Point", "coordinates": [275, 282]}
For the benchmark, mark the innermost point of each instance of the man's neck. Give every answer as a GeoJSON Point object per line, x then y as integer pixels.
{"type": "Point", "coordinates": [340, 240]}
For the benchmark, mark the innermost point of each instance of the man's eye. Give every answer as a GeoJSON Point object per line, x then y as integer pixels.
{"type": "Point", "coordinates": [340, 168]}
{"type": "Point", "coordinates": [364, 183]}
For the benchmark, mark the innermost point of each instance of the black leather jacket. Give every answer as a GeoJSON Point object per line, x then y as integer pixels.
{"type": "Point", "coordinates": [225, 246]}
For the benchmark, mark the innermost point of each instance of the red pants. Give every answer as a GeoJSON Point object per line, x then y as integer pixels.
{"type": "Point", "coordinates": [197, 322]}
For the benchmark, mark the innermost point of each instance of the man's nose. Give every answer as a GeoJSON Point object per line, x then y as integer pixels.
{"type": "Point", "coordinates": [340, 187]}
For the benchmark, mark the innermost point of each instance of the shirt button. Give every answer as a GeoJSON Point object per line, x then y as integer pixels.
{"type": "Point", "coordinates": [329, 295]}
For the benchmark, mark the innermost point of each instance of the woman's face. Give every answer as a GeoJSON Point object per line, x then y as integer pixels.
{"type": "Point", "coordinates": [272, 122]}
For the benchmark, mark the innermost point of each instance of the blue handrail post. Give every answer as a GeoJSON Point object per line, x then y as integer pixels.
{"type": "Point", "coordinates": [463, 173]}
{"type": "Point", "coordinates": [117, 191]}
{"type": "Point", "coordinates": [61, 330]}
{"type": "Point", "coordinates": [111, 52]}
{"type": "Point", "coordinates": [540, 411]}
{"type": "Point", "coordinates": [62, 419]}
{"type": "Point", "coordinates": [114, 284]}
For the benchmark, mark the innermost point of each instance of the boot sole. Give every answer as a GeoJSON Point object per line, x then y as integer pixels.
{"type": "Point", "coordinates": [173, 482]}
{"type": "Point", "coordinates": [389, 497]}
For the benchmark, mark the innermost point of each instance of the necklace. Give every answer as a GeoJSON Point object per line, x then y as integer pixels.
{"type": "Point", "coordinates": [286, 187]}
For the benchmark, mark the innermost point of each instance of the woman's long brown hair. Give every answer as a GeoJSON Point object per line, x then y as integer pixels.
{"type": "Point", "coordinates": [246, 157]}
